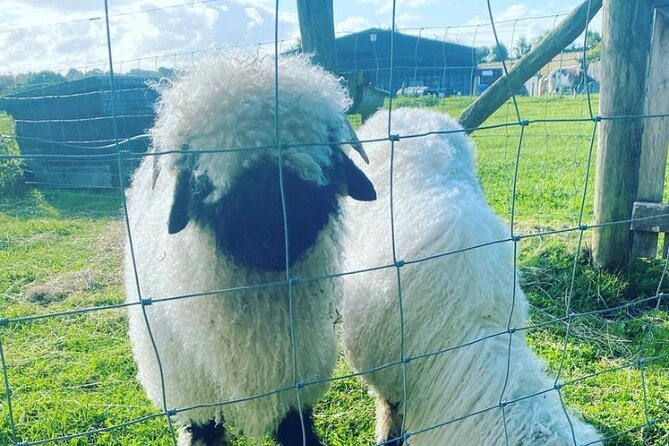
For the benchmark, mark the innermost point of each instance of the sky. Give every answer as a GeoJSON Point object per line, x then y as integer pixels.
{"type": "Point", "coordinates": [57, 35]}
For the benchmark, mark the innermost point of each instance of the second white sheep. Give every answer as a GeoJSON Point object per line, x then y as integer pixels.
{"type": "Point", "coordinates": [452, 346]}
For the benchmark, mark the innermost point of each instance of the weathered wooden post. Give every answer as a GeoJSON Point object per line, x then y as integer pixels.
{"type": "Point", "coordinates": [316, 18]}
{"type": "Point", "coordinates": [626, 29]}
{"type": "Point", "coordinates": [654, 145]}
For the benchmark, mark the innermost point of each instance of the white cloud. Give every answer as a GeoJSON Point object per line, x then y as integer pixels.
{"type": "Point", "coordinates": [58, 35]}
{"type": "Point", "coordinates": [255, 19]}
{"type": "Point", "coordinates": [513, 12]}
{"type": "Point", "coordinates": [353, 24]}
{"type": "Point", "coordinates": [408, 19]}
{"type": "Point", "coordinates": [385, 7]}
{"type": "Point", "coordinates": [145, 34]}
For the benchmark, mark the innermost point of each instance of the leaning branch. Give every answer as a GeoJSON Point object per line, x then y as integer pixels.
{"type": "Point", "coordinates": [493, 97]}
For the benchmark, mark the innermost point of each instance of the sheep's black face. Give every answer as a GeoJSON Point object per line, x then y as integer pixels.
{"type": "Point", "coordinates": [248, 221]}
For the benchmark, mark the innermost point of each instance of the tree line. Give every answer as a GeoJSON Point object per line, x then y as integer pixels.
{"type": "Point", "coordinates": [11, 83]}
{"type": "Point", "coordinates": [523, 45]}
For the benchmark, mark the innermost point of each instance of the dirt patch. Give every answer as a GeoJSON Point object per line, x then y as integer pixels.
{"type": "Point", "coordinates": [107, 270]}
{"type": "Point", "coordinates": [60, 287]}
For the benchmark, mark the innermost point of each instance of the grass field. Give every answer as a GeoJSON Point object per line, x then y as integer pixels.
{"type": "Point", "coordinates": [61, 251]}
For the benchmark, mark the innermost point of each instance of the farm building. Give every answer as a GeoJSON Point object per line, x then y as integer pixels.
{"type": "Point", "coordinates": [66, 131]}
{"type": "Point", "coordinates": [444, 67]}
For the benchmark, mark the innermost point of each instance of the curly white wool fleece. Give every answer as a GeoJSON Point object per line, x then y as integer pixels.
{"type": "Point", "coordinates": [448, 301]}
{"type": "Point", "coordinates": [226, 346]}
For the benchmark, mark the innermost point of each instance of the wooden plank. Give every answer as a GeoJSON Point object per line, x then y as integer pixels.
{"type": "Point", "coordinates": [626, 29]}
{"type": "Point", "coordinates": [316, 18]}
{"type": "Point", "coordinates": [495, 95]}
{"type": "Point", "coordinates": [655, 141]}
{"type": "Point", "coordinates": [650, 217]}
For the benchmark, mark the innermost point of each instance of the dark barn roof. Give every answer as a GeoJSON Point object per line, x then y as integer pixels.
{"type": "Point", "coordinates": [66, 130]}
{"type": "Point", "coordinates": [417, 60]}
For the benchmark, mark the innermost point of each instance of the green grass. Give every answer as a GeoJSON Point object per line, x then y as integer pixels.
{"type": "Point", "coordinates": [61, 251]}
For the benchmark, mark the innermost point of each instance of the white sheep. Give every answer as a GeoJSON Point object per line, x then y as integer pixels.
{"type": "Point", "coordinates": [202, 222]}
{"type": "Point", "coordinates": [456, 304]}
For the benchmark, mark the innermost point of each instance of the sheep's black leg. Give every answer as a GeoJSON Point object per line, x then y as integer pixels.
{"type": "Point", "coordinates": [209, 434]}
{"type": "Point", "coordinates": [289, 432]}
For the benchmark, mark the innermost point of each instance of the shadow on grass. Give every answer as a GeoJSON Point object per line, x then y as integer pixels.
{"type": "Point", "coordinates": [618, 315]}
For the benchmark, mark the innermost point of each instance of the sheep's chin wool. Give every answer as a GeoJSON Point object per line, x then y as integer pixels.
{"type": "Point", "coordinates": [456, 304]}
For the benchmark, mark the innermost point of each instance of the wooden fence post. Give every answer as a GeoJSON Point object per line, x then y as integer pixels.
{"type": "Point", "coordinates": [316, 19]}
{"type": "Point", "coordinates": [655, 139]}
{"type": "Point", "coordinates": [626, 29]}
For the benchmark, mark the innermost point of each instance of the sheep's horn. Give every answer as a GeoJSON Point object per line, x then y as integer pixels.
{"type": "Point", "coordinates": [156, 167]}
{"type": "Point", "coordinates": [355, 142]}
{"type": "Point", "coordinates": [156, 172]}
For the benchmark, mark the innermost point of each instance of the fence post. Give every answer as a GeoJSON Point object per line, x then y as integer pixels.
{"type": "Point", "coordinates": [316, 18]}
{"type": "Point", "coordinates": [655, 140]}
{"type": "Point", "coordinates": [626, 29]}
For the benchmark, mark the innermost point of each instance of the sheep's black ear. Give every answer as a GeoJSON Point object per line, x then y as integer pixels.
{"type": "Point", "coordinates": [358, 186]}
{"type": "Point", "coordinates": [180, 203]}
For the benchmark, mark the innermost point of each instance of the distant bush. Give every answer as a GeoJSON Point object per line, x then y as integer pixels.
{"type": "Point", "coordinates": [12, 179]}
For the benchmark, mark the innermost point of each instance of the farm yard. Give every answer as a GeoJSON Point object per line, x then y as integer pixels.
{"type": "Point", "coordinates": [61, 252]}
{"type": "Point", "coordinates": [265, 278]}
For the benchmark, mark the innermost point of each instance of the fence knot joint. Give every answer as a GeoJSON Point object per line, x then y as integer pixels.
{"type": "Point", "coordinates": [4, 322]}
{"type": "Point", "coordinates": [146, 301]}
{"type": "Point", "coordinates": [394, 138]}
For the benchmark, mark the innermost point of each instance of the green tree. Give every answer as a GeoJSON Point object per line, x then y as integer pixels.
{"type": "Point", "coordinates": [522, 47]}
{"type": "Point", "coordinates": [592, 39]}
{"type": "Point", "coordinates": [73, 74]}
{"type": "Point", "coordinates": [482, 54]}
{"type": "Point", "coordinates": [499, 53]}
{"type": "Point", "coordinates": [44, 77]}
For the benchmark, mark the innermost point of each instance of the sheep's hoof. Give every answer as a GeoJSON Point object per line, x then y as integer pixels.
{"type": "Point", "coordinates": [393, 440]}
{"type": "Point", "coordinates": [209, 434]}
{"type": "Point", "coordinates": [289, 432]}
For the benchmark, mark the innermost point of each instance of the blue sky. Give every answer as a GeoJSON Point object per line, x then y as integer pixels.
{"type": "Point", "coordinates": [36, 34]}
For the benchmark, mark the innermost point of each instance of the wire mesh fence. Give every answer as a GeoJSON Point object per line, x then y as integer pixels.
{"type": "Point", "coordinates": [66, 361]}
